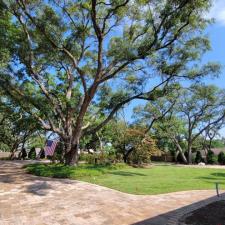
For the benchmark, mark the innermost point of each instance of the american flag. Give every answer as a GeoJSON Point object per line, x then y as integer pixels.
{"type": "Point", "coordinates": [50, 147]}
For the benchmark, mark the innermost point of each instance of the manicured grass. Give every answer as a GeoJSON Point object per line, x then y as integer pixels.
{"type": "Point", "coordinates": [155, 180]}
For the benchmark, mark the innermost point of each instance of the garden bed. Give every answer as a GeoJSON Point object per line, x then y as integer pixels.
{"type": "Point", "coordinates": [211, 214]}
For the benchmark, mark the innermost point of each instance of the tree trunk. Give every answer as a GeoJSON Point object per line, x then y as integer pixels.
{"type": "Point", "coordinates": [176, 155]}
{"type": "Point", "coordinates": [14, 149]}
{"type": "Point", "coordinates": [71, 155]}
{"type": "Point", "coordinates": [189, 153]}
{"type": "Point", "coordinates": [180, 150]}
{"type": "Point", "coordinates": [182, 156]}
{"type": "Point", "coordinates": [210, 144]}
{"type": "Point", "coordinates": [101, 147]}
{"type": "Point", "coordinates": [126, 155]}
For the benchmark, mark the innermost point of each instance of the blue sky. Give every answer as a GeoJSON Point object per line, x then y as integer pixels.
{"type": "Point", "coordinates": [217, 36]}
{"type": "Point", "coordinates": [216, 33]}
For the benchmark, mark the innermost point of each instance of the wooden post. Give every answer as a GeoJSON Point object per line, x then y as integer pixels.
{"type": "Point", "coordinates": [217, 190]}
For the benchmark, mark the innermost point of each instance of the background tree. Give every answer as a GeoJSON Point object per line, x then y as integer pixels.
{"type": "Point", "coordinates": [119, 138]}
{"type": "Point", "coordinates": [67, 56]}
{"type": "Point", "coordinates": [196, 111]}
{"type": "Point", "coordinates": [201, 107]}
{"type": "Point", "coordinates": [209, 136]}
{"type": "Point", "coordinates": [139, 146]}
{"type": "Point", "coordinates": [16, 127]}
{"type": "Point", "coordinates": [171, 131]}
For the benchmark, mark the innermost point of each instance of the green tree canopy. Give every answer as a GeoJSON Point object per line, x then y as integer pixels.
{"type": "Point", "coordinates": [67, 57]}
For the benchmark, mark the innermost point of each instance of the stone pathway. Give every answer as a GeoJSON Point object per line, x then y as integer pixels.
{"type": "Point", "coordinates": [31, 200]}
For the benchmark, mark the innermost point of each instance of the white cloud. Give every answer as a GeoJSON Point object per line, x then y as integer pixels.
{"type": "Point", "coordinates": [218, 12]}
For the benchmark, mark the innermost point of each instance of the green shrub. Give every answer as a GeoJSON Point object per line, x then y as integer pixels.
{"type": "Point", "coordinates": [211, 158]}
{"type": "Point", "coordinates": [61, 171]}
{"type": "Point", "coordinates": [198, 157]}
{"type": "Point", "coordinates": [139, 156]}
{"type": "Point", "coordinates": [92, 158]}
{"type": "Point", "coordinates": [82, 157]}
{"type": "Point", "coordinates": [89, 158]}
{"type": "Point", "coordinates": [119, 157]}
{"type": "Point", "coordinates": [100, 158]}
{"type": "Point", "coordinates": [221, 158]}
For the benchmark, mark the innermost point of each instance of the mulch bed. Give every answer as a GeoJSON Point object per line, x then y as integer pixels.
{"type": "Point", "coordinates": [212, 214]}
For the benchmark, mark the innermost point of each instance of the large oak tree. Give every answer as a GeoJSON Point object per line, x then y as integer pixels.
{"type": "Point", "coordinates": [72, 61]}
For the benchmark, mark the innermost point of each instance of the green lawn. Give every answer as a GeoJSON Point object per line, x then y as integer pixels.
{"type": "Point", "coordinates": [155, 180]}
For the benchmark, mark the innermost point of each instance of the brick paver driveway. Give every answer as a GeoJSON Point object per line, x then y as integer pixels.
{"type": "Point", "coordinates": [29, 200]}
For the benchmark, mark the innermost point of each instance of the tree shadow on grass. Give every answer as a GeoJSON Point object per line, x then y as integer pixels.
{"type": "Point", "coordinates": [126, 174]}
{"type": "Point", "coordinates": [166, 164]}
{"type": "Point", "coordinates": [216, 177]}
{"type": "Point", "coordinates": [54, 171]}
{"type": "Point", "coordinates": [208, 178]}
{"type": "Point", "coordinates": [222, 175]}
{"type": "Point", "coordinates": [213, 180]}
